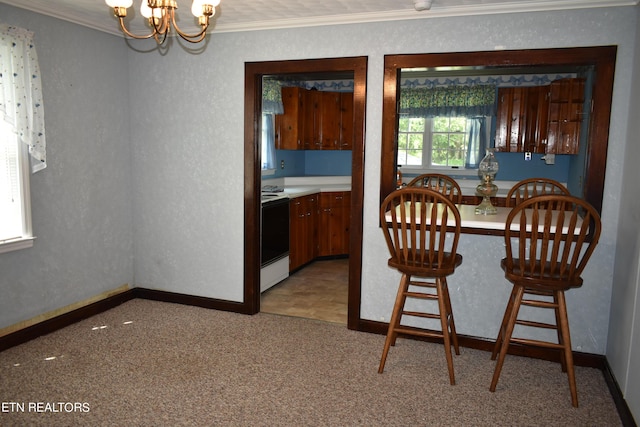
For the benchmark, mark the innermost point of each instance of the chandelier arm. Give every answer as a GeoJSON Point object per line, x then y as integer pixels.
{"type": "Point", "coordinates": [160, 25]}
{"type": "Point", "coordinates": [134, 36]}
{"type": "Point", "coordinates": [192, 38]}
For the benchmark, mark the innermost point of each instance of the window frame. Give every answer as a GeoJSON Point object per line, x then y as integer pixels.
{"type": "Point", "coordinates": [24, 170]}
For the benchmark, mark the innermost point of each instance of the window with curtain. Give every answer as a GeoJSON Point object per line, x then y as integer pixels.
{"type": "Point", "coordinates": [444, 127]}
{"type": "Point", "coordinates": [22, 139]}
{"type": "Point", "coordinates": [268, 143]}
{"type": "Point", "coordinates": [271, 105]}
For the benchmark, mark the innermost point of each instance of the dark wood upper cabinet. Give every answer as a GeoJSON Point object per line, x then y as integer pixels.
{"type": "Point", "coordinates": [314, 120]}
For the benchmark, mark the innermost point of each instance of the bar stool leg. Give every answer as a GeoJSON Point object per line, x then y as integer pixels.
{"type": "Point", "coordinates": [503, 325]}
{"type": "Point", "coordinates": [511, 323]}
{"type": "Point", "coordinates": [440, 288]}
{"type": "Point", "coordinates": [394, 322]}
{"type": "Point", "coordinates": [563, 359]}
{"type": "Point", "coordinates": [566, 341]}
{"type": "Point", "coordinates": [452, 323]}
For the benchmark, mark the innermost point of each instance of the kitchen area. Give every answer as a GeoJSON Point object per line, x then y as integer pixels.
{"type": "Point", "coordinates": [306, 191]}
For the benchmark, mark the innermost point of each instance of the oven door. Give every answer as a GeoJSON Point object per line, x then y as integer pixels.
{"type": "Point", "coordinates": [275, 231]}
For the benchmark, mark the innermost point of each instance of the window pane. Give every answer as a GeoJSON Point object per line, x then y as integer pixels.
{"type": "Point", "coordinates": [440, 124]}
{"type": "Point", "coordinates": [410, 140]}
{"type": "Point", "coordinates": [10, 197]}
{"type": "Point", "coordinates": [449, 141]}
{"type": "Point", "coordinates": [416, 125]}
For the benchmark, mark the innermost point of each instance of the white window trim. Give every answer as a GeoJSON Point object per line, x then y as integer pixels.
{"type": "Point", "coordinates": [27, 238]}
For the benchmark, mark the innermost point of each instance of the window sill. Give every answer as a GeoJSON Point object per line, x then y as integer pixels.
{"type": "Point", "coordinates": [16, 244]}
{"type": "Point", "coordinates": [444, 171]}
{"type": "Point", "coordinates": [267, 172]}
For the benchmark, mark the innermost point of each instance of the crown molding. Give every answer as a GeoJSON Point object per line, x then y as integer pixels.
{"type": "Point", "coordinates": [434, 12]}
{"type": "Point", "coordinates": [110, 26]}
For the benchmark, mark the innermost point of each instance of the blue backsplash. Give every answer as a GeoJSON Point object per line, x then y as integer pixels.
{"type": "Point", "coordinates": [513, 167]}
{"type": "Point", "coordinates": [313, 163]}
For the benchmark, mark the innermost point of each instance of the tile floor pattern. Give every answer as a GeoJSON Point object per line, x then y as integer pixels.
{"type": "Point", "coordinates": [317, 291]}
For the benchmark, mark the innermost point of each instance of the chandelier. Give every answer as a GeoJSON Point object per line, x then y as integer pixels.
{"type": "Point", "coordinates": [161, 15]}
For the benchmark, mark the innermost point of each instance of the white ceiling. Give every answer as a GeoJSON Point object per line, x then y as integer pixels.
{"type": "Point", "coordinates": [246, 15]}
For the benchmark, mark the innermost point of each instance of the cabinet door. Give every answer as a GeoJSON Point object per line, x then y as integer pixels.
{"type": "Point", "coordinates": [345, 222]}
{"type": "Point", "coordinates": [329, 120]}
{"type": "Point", "coordinates": [325, 211]}
{"type": "Point", "coordinates": [303, 230]}
{"type": "Point", "coordinates": [346, 121]}
{"type": "Point", "coordinates": [289, 126]}
{"type": "Point", "coordinates": [521, 121]}
{"type": "Point", "coordinates": [311, 228]}
{"type": "Point", "coordinates": [297, 217]}
{"type": "Point", "coordinates": [566, 105]}
{"type": "Point", "coordinates": [333, 233]}
{"type": "Point", "coordinates": [510, 119]}
{"type": "Point", "coordinates": [312, 139]}
{"type": "Point", "coordinates": [535, 140]}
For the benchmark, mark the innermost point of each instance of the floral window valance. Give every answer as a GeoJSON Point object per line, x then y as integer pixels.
{"type": "Point", "coordinates": [465, 101]}
{"type": "Point", "coordinates": [21, 91]}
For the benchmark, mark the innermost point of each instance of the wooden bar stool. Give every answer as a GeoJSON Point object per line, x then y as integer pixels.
{"type": "Point", "coordinates": [549, 240]}
{"type": "Point", "coordinates": [422, 228]}
{"type": "Point", "coordinates": [441, 183]}
{"type": "Point", "coordinates": [532, 187]}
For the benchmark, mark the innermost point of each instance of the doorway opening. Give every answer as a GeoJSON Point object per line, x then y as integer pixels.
{"type": "Point", "coordinates": [254, 73]}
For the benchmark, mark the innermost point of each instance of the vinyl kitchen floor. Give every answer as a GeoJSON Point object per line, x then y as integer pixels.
{"type": "Point", "coordinates": [318, 291]}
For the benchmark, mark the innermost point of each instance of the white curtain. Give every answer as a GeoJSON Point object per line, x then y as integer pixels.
{"type": "Point", "coordinates": [268, 142]}
{"type": "Point", "coordinates": [21, 91]}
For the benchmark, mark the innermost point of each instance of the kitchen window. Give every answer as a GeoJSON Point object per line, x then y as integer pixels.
{"type": "Point", "coordinates": [441, 142]}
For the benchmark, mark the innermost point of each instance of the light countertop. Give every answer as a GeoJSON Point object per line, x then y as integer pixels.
{"type": "Point", "coordinates": [303, 186]}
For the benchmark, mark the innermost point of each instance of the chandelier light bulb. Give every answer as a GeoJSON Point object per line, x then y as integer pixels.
{"type": "Point", "coordinates": [119, 3]}
{"type": "Point", "coordinates": [146, 11]}
{"type": "Point", "coordinates": [196, 7]}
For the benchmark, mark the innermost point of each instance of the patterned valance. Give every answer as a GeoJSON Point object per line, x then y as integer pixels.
{"type": "Point", "coordinates": [461, 101]}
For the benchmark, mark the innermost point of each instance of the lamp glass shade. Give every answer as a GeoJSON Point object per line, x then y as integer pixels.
{"type": "Point", "coordinates": [196, 7]}
{"type": "Point", "coordinates": [146, 11]}
{"type": "Point", "coordinates": [119, 3]}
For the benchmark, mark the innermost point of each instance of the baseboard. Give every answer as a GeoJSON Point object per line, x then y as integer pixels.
{"type": "Point", "coordinates": [50, 325]}
{"type": "Point", "coordinates": [621, 404]}
{"type": "Point", "coordinates": [579, 359]}
{"type": "Point", "coordinates": [60, 321]}
{"type": "Point", "coordinates": [63, 310]}
{"type": "Point", "coordinates": [176, 298]}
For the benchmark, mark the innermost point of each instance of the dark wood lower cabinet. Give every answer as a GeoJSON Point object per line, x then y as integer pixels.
{"type": "Point", "coordinates": [333, 233]}
{"type": "Point", "coordinates": [303, 226]}
{"type": "Point", "coordinates": [318, 227]}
